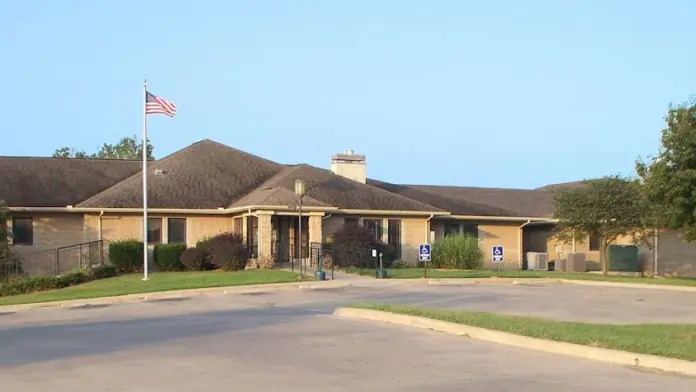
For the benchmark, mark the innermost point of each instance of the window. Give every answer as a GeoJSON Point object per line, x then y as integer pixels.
{"type": "Point", "coordinates": [351, 222]}
{"type": "Point", "coordinates": [451, 228]}
{"type": "Point", "coordinates": [176, 230]}
{"type": "Point", "coordinates": [594, 242]}
{"type": "Point", "coordinates": [154, 230]}
{"type": "Point", "coordinates": [22, 231]}
{"type": "Point", "coordinates": [394, 237]}
{"type": "Point", "coordinates": [470, 229]}
{"type": "Point", "coordinates": [375, 227]}
{"type": "Point", "coordinates": [253, 236]}
{"type": "Point", "coordinates": [238, 224]}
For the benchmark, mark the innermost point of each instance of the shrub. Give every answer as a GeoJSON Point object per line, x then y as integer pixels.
{"type": "Point", "coordinates": [230, 256]}
{"type": "Point", "coordinates": [457, 251]}
{"type": "Point", "coordinates": [352, 246]}
{"type": "Point", "coordinates": [126, 255]}
{"type": "Point", "coordinates": [103, 272]}
{"type": "Point", "coordinates": [10, 268]}
{"type": "Point", "coordinates": [194, 259]}
{"type": "Point", "coordinates": [210, 243]}
{"type": "Point", "coordinates": [167, 256]}
{"type": "Point", "coordinates": [42, 283]}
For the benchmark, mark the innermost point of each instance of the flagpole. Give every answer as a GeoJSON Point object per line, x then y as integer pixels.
{"type": "Point", "coordinates": [145, 264]}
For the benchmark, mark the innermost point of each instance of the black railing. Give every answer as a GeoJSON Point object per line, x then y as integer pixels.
{"type": "Point", "coordinates": [54, 261]}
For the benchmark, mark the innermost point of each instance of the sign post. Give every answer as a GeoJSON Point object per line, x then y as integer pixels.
{"type": "Point", "coordinates": [498, 254]}
{"type": "Point", "coordinates": [424, 256]}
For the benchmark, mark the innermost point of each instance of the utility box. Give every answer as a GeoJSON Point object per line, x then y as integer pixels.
{"type": "Point", "coordinates": [576, 262]}
{"type": "Point", "coordinates": [623, 258]}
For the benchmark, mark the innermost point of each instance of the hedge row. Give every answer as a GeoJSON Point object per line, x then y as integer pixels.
{"type": "Point", "coordinates": [43, 283]}
{"type": "Point", "coordinates": [226, 251]}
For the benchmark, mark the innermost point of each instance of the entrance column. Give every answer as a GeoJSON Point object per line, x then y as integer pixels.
{"type": "Point", "coordinates": [315, 229]}
{"type": "Point", "coordinates": [265, 236]}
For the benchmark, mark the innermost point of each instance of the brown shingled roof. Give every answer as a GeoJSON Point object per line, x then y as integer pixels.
{"type": "Point", "coordinates": [204, 175]}
{"type": "Point", "coordinates": [58, 182]}
{"type": "Point", "coordinates": [478, 201]}
{"type": "Point", "coordinates": [329, 189]}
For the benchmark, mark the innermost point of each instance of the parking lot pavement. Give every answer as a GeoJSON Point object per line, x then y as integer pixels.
{"type": "Point", "coordinates": [295, 348]}
{"type": "Point", "coordinates": [563, 302]}
{"type": "Point", "coordinates": [557, 301]}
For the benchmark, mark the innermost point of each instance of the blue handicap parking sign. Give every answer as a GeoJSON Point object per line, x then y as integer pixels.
{"type": "Point", "coordinates": [498, 253]}
{"type": "Point", "coordinates": [424, 252]}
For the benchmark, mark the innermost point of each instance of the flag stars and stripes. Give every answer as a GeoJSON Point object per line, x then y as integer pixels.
{"type": "Point", "coordinates": [157, 105]}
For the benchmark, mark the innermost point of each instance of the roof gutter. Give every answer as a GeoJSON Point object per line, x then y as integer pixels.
{"type": "Point", "coordinates": [391, 212]}
{"type": "Point", "coordinates": [190, 211]}
{"type": "Point", "coordinates": [530, 220]}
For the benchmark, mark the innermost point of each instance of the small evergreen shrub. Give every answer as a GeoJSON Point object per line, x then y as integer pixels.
{"type": "Point", "coordinates": [352, 246]}
{"type": "Point", "coordinates": [457, 252]}
{"type": "Point", "coordinates": [194, 259]}
{"type": "Point", "coordinates": [230, 256]}
{"type": "Point", "coordinates": [103, 272]}
{"type": "Point", "coordinates": [42, 283]}
{"type": "Point", "coordinates": [167, 257]}
{"type": "Point", "coordinates": [126, 255]}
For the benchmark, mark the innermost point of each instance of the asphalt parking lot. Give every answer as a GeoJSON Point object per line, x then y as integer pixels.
{"type": "Point", "coordinates": [289, 340]}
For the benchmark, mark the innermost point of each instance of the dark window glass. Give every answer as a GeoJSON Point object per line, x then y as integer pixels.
{"type": "Point", "coordinates": [176, 230]}
{"type": "Point", "coordinates": [470, 229]}
{"type": "Point", "coordinates": [375, 227]}
{"type": "Point", "coordinates": [594, 242]}
{"type": "Point", "coordinates": [23, 231]}
{"type": "Point", "coordinates": [451, 228]}
{"type": "Point", "coordinates": [154, 230]}
{"type": "Point", "coordinates": [394, 237]}
{"type": "Point", "coordinates": [351, 222]}
{"type": "Point", "coordinates": [253, 236]}
{"type": "Point", "coordinates": [238, 224]}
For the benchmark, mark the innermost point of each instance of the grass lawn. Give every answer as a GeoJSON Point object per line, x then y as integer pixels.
{"type": "Point", "coordinates": [667, 340]}
{"type": "Point", "coordinates": [413, 273]}
{"type": "Point", "coordinates": [163, 281]}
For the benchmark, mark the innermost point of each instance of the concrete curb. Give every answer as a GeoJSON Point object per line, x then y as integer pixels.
{"type": "Point", "coordinates": [569, 349]}
{"type": "Point", "coordinates": [175, 294]}
{"type": "Point", "coordinates": [466, 281]}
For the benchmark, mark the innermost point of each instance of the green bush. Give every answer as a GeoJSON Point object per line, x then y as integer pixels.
{"type": "Point", "coordinates": [230, 256]}
{"type": "Point", "coordinates": [167, 256]}
{"type": "Point", "coordinates": [103, 272]}
{"type": "Point", "coordinates": [42, 283]}
{"type": "Point", "coordinates": [126, 255]}
{"type": "Point", "coordinates": [194, 259]}
{"type": "Point", "coordinates": [457, 251]}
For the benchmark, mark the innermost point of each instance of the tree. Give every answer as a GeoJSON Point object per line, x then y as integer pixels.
{"type": "Point", "coordinates": [669, 179]}
{"type": "Point", "coordinates": [126, 148]}
{"type": "Point", "coordinates": [608, 207]}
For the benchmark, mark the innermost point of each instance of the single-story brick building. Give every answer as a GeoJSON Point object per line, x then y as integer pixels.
{"type": "Point", "coordinates": [208, 187]}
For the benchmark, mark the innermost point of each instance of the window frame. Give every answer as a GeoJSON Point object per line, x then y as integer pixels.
{"type": "Point", "coordinates": [379, 230]}
{"type": "Point", "coordinates": [150, 231]}
{"type": "Point", "coordinates": [594, 242]}
{"type": "Point", "coordinates": [169, 230]}
{"type": "Point", "coordinates": [30, 240]}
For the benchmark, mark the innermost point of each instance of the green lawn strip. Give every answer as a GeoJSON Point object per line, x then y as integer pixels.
{"type": "Point", "coordinates": [163, 281]}
{"type": "Point", "coordinates": [667, 340]}
{"type": "Point", "coordinates": [414, 273]}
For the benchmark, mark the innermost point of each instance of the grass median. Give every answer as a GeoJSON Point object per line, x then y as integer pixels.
{"type": "Point", "coordinates": [667, 340]}
{"type": "Point", "coordinates": [416, 273]}
{"type": "Point", "coordinates": [163, 281]}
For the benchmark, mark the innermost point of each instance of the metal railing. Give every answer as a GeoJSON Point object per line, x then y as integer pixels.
{"type": "Point", "coordinates": [54, 262]}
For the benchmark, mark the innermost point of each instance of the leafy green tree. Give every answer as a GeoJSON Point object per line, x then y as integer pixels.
{"type": "Point", "coordinates": [126, 148]}
{"type": "Point", "coordinates": [608, 207]}
{"type": "Point", "coordinates": [669, 179]}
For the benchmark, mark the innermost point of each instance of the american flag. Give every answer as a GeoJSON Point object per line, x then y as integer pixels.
{"type": "Point", "coordinates": [157, 105]}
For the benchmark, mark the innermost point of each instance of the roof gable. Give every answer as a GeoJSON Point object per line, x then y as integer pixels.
{"type": "Point", "coordinates": [204, 175]}
{"type": "Point", "coordinates": [324, 188]}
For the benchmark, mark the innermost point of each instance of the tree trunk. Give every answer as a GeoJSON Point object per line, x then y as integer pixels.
{"type": "Point", "coordinates": [603, 256]}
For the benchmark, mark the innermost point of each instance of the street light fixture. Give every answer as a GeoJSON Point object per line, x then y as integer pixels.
{"type": "Point", "coordinates": [300, 192]}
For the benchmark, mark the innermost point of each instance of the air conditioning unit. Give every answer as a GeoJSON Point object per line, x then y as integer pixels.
{"type": "Point", "coordinates": [537, 261]}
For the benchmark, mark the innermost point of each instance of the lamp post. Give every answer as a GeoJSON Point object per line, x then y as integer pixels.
{"type": "Point", "coordinates": [300, 191]}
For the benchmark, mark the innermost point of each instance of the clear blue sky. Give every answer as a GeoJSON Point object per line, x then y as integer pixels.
{"type": "Point", "coordinates": [481, 93]}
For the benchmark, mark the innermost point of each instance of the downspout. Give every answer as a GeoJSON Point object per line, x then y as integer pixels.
{"type": "Point", "coordinates": [427, 229]}
{"type": "Point", "coordinates": [519, 243]}
{"type": "Point", "coordinates": [99, 225]}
